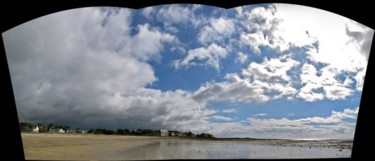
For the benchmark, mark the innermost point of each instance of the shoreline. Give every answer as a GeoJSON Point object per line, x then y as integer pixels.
{"type": "Point", "coordinates": [181, 137]}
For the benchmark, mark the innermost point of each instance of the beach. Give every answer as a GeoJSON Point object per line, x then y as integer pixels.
{"type": "Point", "coordinates": [119, 147]}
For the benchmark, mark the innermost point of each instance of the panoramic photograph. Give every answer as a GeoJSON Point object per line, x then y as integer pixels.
{"type": "Point", "coordinates": [188, 81]}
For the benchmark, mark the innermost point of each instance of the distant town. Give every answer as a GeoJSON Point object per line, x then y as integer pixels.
{"type": "Point", "coordinates": [54, 128]}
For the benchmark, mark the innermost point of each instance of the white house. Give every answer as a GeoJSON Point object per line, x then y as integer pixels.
{"type": "Point", "coordinates": [71, 131]}
{"type": "Point", "coordinates": [61, 131]}
{"type": "Point", "coordinates": [83, 131]}
{"type": "Point", "coordinates": [36, 129]}
{"type": "Point", "coordinates": [164, 132]}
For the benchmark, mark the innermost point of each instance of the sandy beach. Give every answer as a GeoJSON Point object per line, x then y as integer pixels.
{"type": "Point", "coordinates": [77, 146]}
{"type": "Point", "coordinates": [115, 147]}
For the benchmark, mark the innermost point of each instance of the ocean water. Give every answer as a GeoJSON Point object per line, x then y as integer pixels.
{"type": "Point", "coordinates": [201, 149]}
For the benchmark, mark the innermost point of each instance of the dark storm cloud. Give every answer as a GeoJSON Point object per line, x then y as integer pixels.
{"type": "Point", "coordinates": [74, 68]}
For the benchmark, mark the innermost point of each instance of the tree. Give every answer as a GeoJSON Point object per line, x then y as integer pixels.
{"type": "Point", "coordinates": [91, 131]}
{"type": "Point", "coordinates": [108, 132]}
{"type": "Point", "coordinates": [78, 130]}
{"type": "Point", "coordinates": [189, 134]}
{"type": "Point", "coordinates": [49, 126]}
{"type": "Point", "coordinates": [120, 131]}
{"type": "Point", "coordinates": [204, 135]}
{"type": "Point", "coordinates": [26, 126]}
{"type": "Point", "coordinates": [126, 131]}
{"type": "Point", "coordinates": [66, 127]}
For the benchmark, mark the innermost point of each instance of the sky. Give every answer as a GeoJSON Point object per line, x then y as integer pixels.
{"type": "Point", "coordinates": [266, 70]}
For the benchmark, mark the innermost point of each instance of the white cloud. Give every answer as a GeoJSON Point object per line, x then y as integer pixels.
{"type": "Point", "coordinates": [147, 12]}
{"type": "Point", "coordinates": [178, 14]}
{"type": "Point", "coordinates": [348, 82]}
{"type": "Point", "coordinates": [239, 11]}
{"type": "Point", "coordinates": [171, 29]}
{"type": "Point", "coordinates": [241, 57]}
{"type": "Point", "coordinates": [174, 13]}
{"type": "Point", "coordinates": [324, 86]}
{"type": "Point", "coordinates": [307, 93]}
{"type": "Point", "coordinates": [209, 56]}
{"type": "Point", "coordinates": [311, 82]}
{"type": "Point", "coordinates": [241, 91]}
{"type": "Point", "coordinates": [337, 125]}
{"type": "Point", "coordinates": [260, 82]}
{"type": "Point", "coordinates": [268, 29]}
{"type": "Point", "coordinates": [360, 79]}
{"type": "Point", "coordinates": [337, 37]}
{"type": "Point", "coordinates": [216, 31]}
{"type": "Point", "coordinates": [260, 115]}
{"type": "Point", "coordinates": [271, 68]}
{"type": "Point", "coordinates": [148, 43]}
{"type": "Point", "coordinates": [323, 34]}
{"type": "Point", "coordinates": [337, 92]}
{"type": "Point", "coordinates": [231, 110]}
{"type": "Point", "coordinates": [218, 117]}
{"type": "Point", "coordinates": [274, 27]}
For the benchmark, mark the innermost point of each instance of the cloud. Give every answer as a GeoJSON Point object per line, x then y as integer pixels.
{"type": "Point", "coordinates": [335, 117]}
{"type": "Point", "coordinates": [324, 86]}
{"type": "Point", "coordinates": [360, 79]}
{"type": "Point", "coordinates": [222, 118]}
{"type": "Point", "coordinates": [209, 56]}
{"type": "Point", "coordinates": [311, 82]}
{"type": "Point", "coordinates": [276, 68]}
{"type": "Point", "coordinates": [74, 68]}
{"type": "Point", "coordinates": [174, 13]}
{"type": "Point", "coordinates": [153, 108]}
{"type": "Point", "coordinates": [267, 29]}
{"type": "Point", "coordinates": [361, 38]}
{"type": "Point", "coordinates": [148, 43]}
{"type": "Point", "coordinates": [274, 27]}
{"type": "Point", "coordinates": [217, 30]}
{"type": "Point", "coordinates": [337, 92]}
{"type": "Point", "coordinates": [337, 125]}
{"type": "Point", "coordinates": [307, 93]}
{"type": "Point", "coordinates": [147, 12]}
{"type": "Point", "coordinates": [259, 82]}
{"type": "Point", "coordinates": [178, 14]}
{"type": "Point", "coordinates": [241, 57]}
{"type": "Point", "coordinates": [231, 110]}
{"type": "Point", "coordinates": [260, 115]}
{"type": "Point", "coordinates": [241, 91]}
{"type": "Point", "coordinates": [342, 37]}
{"type": "Point", "coordinates": [348, 82]}
{"type": "Point", "coordinates": [239, 11]}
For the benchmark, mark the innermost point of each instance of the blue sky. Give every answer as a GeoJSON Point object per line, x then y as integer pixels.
{"type": "Point", "coordinates": [270, 70]}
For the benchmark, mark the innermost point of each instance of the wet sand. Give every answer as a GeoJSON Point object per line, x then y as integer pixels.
{"type": "Point", "coordinates": [112, 147]}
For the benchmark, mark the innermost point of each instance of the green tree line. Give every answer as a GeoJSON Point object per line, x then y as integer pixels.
{"type": "Point", "coordinates": [27, 127]}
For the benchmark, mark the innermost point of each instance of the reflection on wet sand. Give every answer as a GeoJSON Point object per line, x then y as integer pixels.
{"type": "Point", "coordinates": [208, 149]}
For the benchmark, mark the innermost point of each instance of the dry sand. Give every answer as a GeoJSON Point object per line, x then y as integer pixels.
{"type": "Point", "coordinates": [78, 146]}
